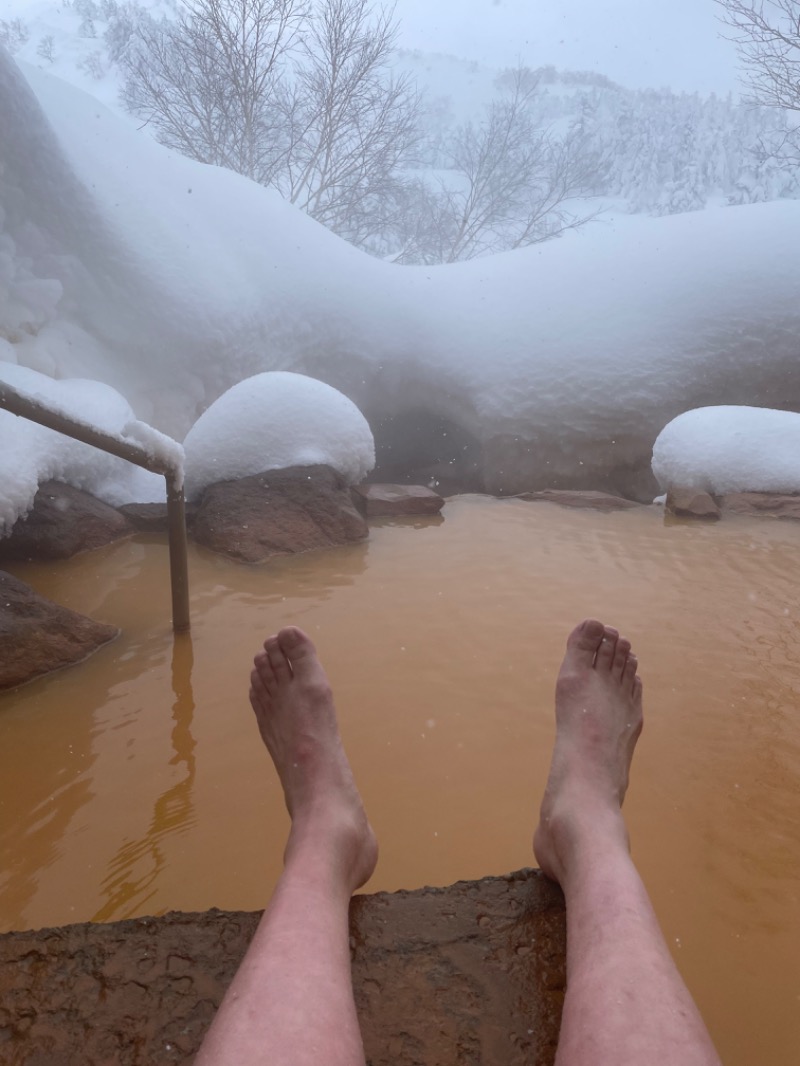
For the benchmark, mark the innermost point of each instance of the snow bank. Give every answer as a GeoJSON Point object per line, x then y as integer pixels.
{"type": "Point", "coordinates": [276, 420]}
{"type": "Point", "coordinates": [730, 449]}
{"type": "Point", "coordinates": [172, 281]}
{"type": "Point", "coordinates": [30, 453]}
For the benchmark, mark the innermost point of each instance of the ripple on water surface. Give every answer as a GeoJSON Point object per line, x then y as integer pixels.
{"type": "Point", "coordinates": [136, 782]}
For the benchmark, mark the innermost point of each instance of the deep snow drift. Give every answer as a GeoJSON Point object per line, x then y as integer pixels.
{"type": "Point", "coordinates": [558, 364]}
{"type": "Point", "coordinates": [730, 449]}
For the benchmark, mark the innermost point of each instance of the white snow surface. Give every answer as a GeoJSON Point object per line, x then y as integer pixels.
{"type": "Point", "coordinates": [30, 453]}
{"type": "Point", "coordinates": [171, 281]}
{"type": "Point", "coordinates": [730, 449]}
{"type": "Point", "coordinates": [275, 420]}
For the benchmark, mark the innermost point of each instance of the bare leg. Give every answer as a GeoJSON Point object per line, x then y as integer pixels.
{"type": "Point", "coordinates": [626, 1003]}
{"type": "Point", "coordinates": [291, 1002]}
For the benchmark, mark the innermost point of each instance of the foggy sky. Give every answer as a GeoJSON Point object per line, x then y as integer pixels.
{"type": "Point", "coordinates": [639, 43]}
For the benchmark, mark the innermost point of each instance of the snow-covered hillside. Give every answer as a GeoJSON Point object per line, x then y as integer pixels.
{"type": "Point", "coordinates": [555, 365]}
{"type": "Point", "coordinates": [651, 151]}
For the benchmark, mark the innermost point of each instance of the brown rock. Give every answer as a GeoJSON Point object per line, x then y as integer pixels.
{"type": "Point", "coordinates": [691, 503]}
{"type": "Point", "coordinates": [279, 512]}
{"type": "Point", "coordinates": [473, 973]}
{"type": "Point", "coordinates": [37, 636]}
{"type": "Point", "coordinates": [376, 501]}
{"type": "Point", "coordinates": [63, 522]}
{"type": "Point", "coordinates": [769, 504]}
{"type": "Point", "coordinates": [597, 501]}
{"type": "Point", "coordinates": [152, 517]}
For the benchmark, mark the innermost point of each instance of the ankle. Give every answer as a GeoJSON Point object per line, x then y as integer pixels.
{"type": "Point", "coordinates": [335, 847]}
{"type": "Point", "coordinates": [571, 839]}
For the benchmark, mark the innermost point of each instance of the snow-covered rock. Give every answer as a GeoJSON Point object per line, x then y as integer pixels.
{"type": "Point", "coordinates": [730, 449]}
{"type": "Point", "coordinates": [277, 420]}
{"type": "Point", "coordinates": [31, 454]}
{"type": "Point", "coordinates": [553, 366]}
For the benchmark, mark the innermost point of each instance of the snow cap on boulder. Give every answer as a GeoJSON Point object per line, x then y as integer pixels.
{"type": "Point", "coordinates": [730, 449]}
{"type": "Point", "coordinates": [275, 420]}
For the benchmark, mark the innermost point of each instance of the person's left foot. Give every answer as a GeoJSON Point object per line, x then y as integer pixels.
{"type": "Point", "coordinates": [293, 702]}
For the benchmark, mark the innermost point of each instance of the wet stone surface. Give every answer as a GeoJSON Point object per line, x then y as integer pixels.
{"type": "Point", "coordinates": [38, 636]}
{"type": "Point", "coordinates": [471, 974]}
{"type": "Point", "coordinates": [692, 503]}
{"type": "Point", "coordinates": [381, 500]}
{"type": "Point", "coordinates": [768, 504]}
{"type": "Point", "coordinates": [595, 501]}
{"type": "Point", "coordinates": [279, 512]}
{"type": "Point", "coordinates": [63, 522]}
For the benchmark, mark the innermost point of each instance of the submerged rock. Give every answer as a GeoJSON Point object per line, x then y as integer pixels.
{"type": "Point", "coordinates": [63, 522]}
{"type": "Point", "coordinates": [478, 966]}
{"type": "Point", "coordinates": [37, 636]}
{"type": "Point", "coordinates": [279, 512]}
{"type": "Point", "coordinates": [692, 503]}
{"type": "Point", "coordinates": [596, 501]}
{"type": "Point", "coordinates": [768, 504]}
{"type": "Point", "coordinates": [153, 517]}
{"type": "Point", "coordinates": [380, 500]}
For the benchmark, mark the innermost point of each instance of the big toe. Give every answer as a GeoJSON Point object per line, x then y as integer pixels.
{"type": "Point", "coordinates": [296, 645]}
{"type": "Point", "coordinates": [583, 643]}
{"type": "Point", "coordinates": [299, 650]}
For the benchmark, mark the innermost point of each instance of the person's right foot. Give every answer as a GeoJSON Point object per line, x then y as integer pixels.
{"type": "Point", "coordinates": [293, 702]}
{"type": "Point", "coordinates": [598, 721]}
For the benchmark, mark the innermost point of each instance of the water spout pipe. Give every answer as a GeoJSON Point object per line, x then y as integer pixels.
{"type": "Point", "coordinates": [35, 411]}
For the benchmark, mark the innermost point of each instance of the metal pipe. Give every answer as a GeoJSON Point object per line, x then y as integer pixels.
{"type": "Point", "coordinates": [35, 411]}
{"type": "Point", "coordinates": [178, 555]}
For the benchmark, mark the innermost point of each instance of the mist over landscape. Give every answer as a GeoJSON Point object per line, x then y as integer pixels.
{"type": "Point", "coordinates": [431, 329]}
{"type": "Point", "coordinates": [499, 124]}
{"type": "Point", "coordinates": [649, 261]}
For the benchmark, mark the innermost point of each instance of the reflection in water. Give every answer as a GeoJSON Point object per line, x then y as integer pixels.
{"type": "Point", "coordinates": [136, 867]}
{"type": "Point", "coordinates": [442, 644]}
{"type": "Point", "coordinates": [29, 845]}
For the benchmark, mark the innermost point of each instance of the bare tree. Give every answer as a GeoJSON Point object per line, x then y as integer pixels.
{"type": "Point", "coordinates": [209, 82]}
{"type": "Point", "coordinates": [46, 48]}
{"type": "Point", "coordinates": [767, 35]}
{"type": "Point", "coordinates": [14, 33]}
{"type": "Point", "coordinates": [352, 123]}
{"type": "Point", "coordinates": [509, 181]}
{"type": "Point", "coordinates": [292, 97]}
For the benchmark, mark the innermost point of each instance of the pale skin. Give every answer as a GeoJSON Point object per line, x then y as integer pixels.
{"type": "Point", "coordinates": [291, 1002]}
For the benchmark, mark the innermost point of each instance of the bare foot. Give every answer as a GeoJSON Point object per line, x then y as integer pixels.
{"type": "Point", "coordinates": [598, 721]}
{"type": "Point", "coordinates": [294, 708]}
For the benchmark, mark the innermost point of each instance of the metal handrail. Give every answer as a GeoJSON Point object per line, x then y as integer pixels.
{"type": "Point", "coordinates": [34, 410]}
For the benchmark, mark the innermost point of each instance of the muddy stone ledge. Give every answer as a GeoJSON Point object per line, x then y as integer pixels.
{"type": "Point", "coordinates": [469, 975]}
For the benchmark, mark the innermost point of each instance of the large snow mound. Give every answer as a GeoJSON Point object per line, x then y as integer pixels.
{"type": "Point", "coordinates": [172, 281]}
{"type": "Point", "coordinates": [30, 453]}
{"type": "Point", "coordinates": [274, 420]}
{"type": "Point", "coordinates": [730, 449]}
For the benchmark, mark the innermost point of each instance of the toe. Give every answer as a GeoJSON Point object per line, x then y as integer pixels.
{"type": "Point", "coordinates": [306, 667]}
{"type": "Point", "coordinates": [584, 641]}
{"type": "Point", "coordinates": [262, 669]}
{"type": "Point", "coordinates": [278, 662]}
{"type": "Point", "coordinates": [637, 693]}
{"type": "Point", "coordinates": [297, 648]}
{"type": "Point", "coordinates": [629, 674]}
{"type": "Point", "coordinates": [607, 649]}
{"type": "Point", "coordinates": [620, 657]}
{"type": "Point", "coordinates": [258, 686]}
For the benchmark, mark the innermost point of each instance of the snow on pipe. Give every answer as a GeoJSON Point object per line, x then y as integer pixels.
{"type": "Point", "coordinates": [35, 411]}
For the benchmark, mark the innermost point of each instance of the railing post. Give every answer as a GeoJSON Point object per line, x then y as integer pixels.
{"type": "Point", "coordinates": [35, 410]}
{"type": "Point", "coordinates": [178, 555]}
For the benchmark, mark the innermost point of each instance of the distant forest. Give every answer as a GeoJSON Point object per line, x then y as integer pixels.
{"type": "Point", "coordinates": [394, 171]}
